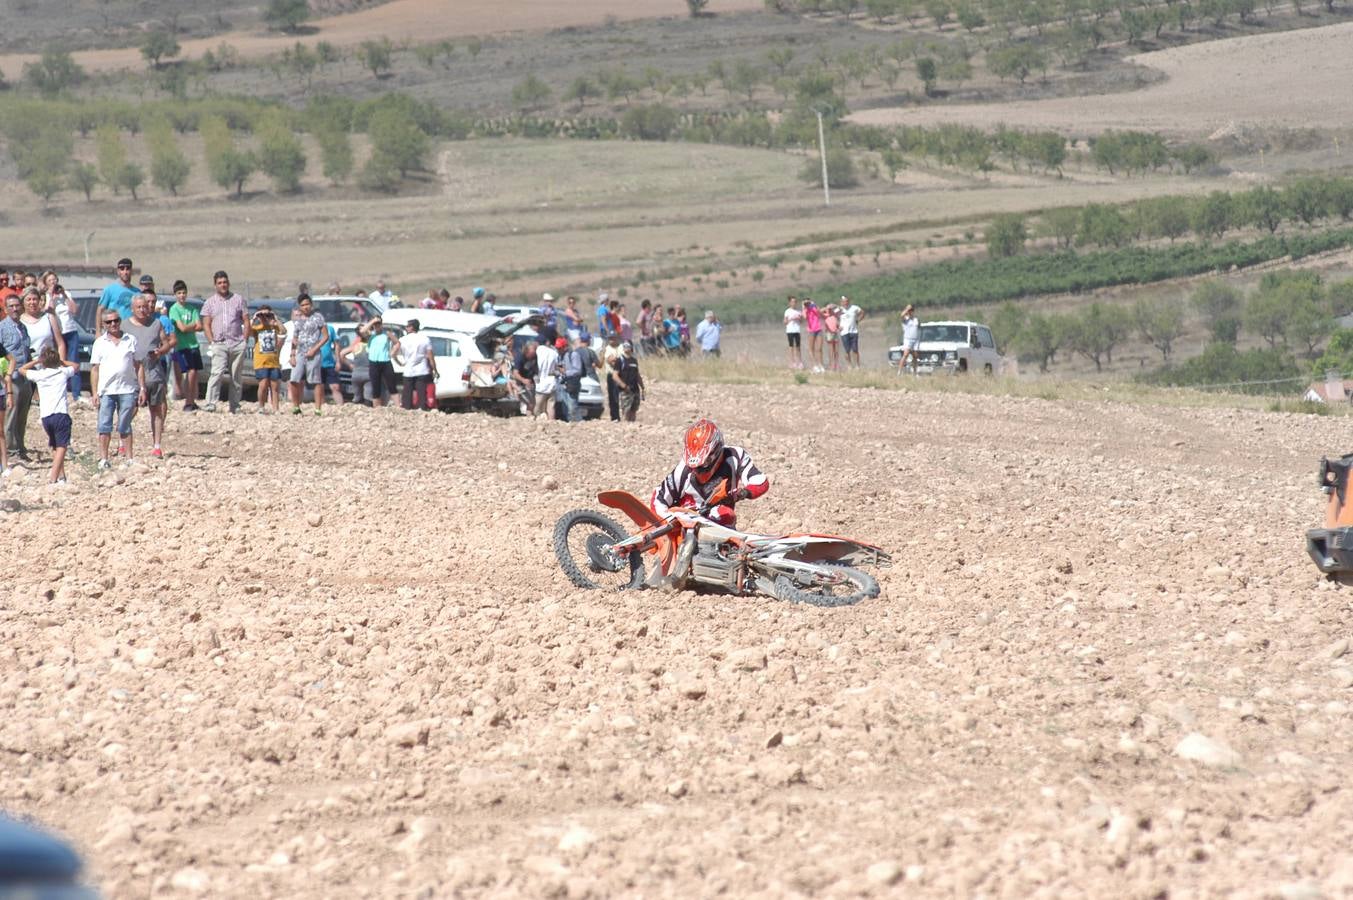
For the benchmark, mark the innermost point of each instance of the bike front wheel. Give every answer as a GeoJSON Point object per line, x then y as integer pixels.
{"type": "Point", "coordinates": [584, 542]}
{"type": "Point", "coordinates": [824, 584]}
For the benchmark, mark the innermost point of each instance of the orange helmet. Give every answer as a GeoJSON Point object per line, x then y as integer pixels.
{"type": "Point", "coordinates": [703, 445]}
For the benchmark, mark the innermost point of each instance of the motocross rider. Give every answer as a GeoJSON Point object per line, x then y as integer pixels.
{"type": "Point", "coordinates": [705, 464]}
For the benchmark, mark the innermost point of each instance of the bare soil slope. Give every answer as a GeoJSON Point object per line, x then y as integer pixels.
{"type": "Point", "coordinates": [417, 21]}
{"type": "Point", "coordinates": [310, 657]}
{"type": "Point", "coordinates": [1291, 79]}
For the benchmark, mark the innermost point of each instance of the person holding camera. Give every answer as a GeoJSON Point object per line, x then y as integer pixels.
{"type": "Point", "coordinates": [267, 333]}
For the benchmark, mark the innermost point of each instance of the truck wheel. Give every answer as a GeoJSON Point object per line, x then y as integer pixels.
{"type": "Point", "coordinates": [963, 366]}
{"type": "Point", "coordinates": [987, 370]}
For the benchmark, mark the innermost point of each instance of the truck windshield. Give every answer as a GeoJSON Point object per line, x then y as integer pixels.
{"type": "Point", "coordinates": [944, 334]}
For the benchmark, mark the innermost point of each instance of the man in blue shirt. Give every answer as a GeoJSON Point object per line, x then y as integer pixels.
{"type": "Point", "coordinates": [604, 315]}
{"type": "Point", "coordinates": [117, 297]}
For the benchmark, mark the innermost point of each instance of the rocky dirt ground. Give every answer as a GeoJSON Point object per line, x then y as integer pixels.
{"type": "Point", "coordinates": [328, 657]}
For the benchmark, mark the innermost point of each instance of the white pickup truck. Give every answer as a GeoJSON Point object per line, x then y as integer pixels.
{"type": "Point", "coordinates": [953, 347]}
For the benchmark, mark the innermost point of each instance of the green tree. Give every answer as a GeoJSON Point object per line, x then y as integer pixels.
{"type": "Point", "coordinates": [696, 7]}
{"type": "Point", "coordinates": [397, 140]}
{"type": "Point", "coordinates": [1007, 323]}
{"type": "Point", "coordinates": [1338, 355]}
{"type": "Point", "coordinates": [1214, 214]}
{"type": "Point", "coordinates": [1305, 198]}
{"type": "Point", "coordinates": [132, 177]}
{"type": "Point", "coordinates": [1289, 307]}
{"type": "Point", "coordinates": [1339, 298]}
{"type": "Point", "coordinates": [42, 156]}
{"type": "Point", "coordinates": [227, 165]}
{"type": "Point", "coordinates": [531, 94]}
{"type": "Point", "coordinates": [649, 123]}
{"type": "Point", "coordinates": [335, 149]}
{"type": "Point", "coordinates": [1160, 322]}
{"type": "Point", "coordinates": [840, 169]}
{"type": "Point", "coordinates": [280, 154]}
{"type": "Point", "coordinates": [1040, 337]}
{"type": "Point", "coordinates": [1166, 217]}
{"type": "Point", "coordinates": [1006, 235]}
{"type": "Point", "coordinates": [169, 167]}
{"type": "Point", "coordinates": [1220, 307]}
{"type": "Point", "coordinates": [83, 177]}
{"type": "Point", "coordinates": [580, 90]}
{"type": "Point", "coordinates": [1103, 225]}
{"type": "Point", "coordinates": [1098, 329]}
{"type": "Point", "coordinates": [286, 15]}
{"type": "Point", "coordinates": [54, 72]}
{"type": "Point", "coordinates": [1262, 207]}
{"type": "Point", "coordinates": [112, 156]}
{"type": "Point", "coordinates": [1016, 61]}
{"type": "Point", "coordinates": [927, 73]}
{"type": "Point", "coordinates": [157, 46]}
{"type": "Point", "coordinates": [781, 58]}
{"type": "Point", "coordinates": [1063, 224]}
{"type": "Point", "coordinates": [376, 55]}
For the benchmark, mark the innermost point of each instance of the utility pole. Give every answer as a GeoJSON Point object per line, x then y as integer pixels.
{"type": "Point", "coordinates": [89, 237]}
{"type": "Point", "coordinates": [822, 151]}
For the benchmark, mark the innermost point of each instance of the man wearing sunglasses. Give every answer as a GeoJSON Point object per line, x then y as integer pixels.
{"type": "Point", "coordinates": [705, 465]}
{"type": "Point", "coordinates": [117, 297]}
{"type": "Point", "coordinates": [118, 382]}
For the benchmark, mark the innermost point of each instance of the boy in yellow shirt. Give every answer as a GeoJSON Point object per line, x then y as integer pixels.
{"type": "Point", "coordinates": [267, 333]}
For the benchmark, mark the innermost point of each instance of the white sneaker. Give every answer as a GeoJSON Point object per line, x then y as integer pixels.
{"type": "Point", "coordinates": [104, 465]}
{"type": "Point", "coordinates": [7, 471]}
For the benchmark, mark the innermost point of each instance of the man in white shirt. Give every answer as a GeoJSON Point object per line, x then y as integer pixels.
{"type": "Point", "coordinates": [547, 379]}
{"type": "Point", "coordinates": [117, 381]}
{"type": "Point", "coordinates": [414, 350]}
{"type": "Point", "coordinates": [381, 297]}
{"type": "Point", "coordinates": [850, 316]}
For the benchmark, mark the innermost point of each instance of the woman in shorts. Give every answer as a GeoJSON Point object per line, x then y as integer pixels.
{"type": "Point", "coordinates": [812, 320]}
{"type": "Point", "coordinates": [794, 332]}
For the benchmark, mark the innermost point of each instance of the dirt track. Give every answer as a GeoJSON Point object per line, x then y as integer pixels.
{"type": "Point", "coordinates": [1290, 79]}
{"type": "Point", "coordinates": [215, 695]}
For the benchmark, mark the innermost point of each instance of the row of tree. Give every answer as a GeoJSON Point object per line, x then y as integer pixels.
{"type": "Point", "coordinates": [48, 165]}
{"type": "Point", "coordinates": [1306, 201]}
{"type": "Point", "coordinates": [1291, 311]}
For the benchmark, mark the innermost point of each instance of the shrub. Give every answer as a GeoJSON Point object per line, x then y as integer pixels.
{"type": "Point", "coordinates": [649, 123]}
{"type": "Point", "coordinates": [840, 170]}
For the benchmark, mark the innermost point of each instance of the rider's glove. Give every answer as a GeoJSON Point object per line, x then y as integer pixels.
{"type": "Point", "coordinates": [742, 493]}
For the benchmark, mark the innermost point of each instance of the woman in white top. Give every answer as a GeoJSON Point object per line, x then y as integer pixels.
{"type": "Point", "coordinates": [44, 330]}
{"type": "Point", "coordinates": [66, 309]}
{"type": "Point", "coordinates": [794, 332]}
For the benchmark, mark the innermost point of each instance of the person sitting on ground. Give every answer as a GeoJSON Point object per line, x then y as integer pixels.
{"type": "Point", "coordinates": [268, 334]}
{"type": "Point", "coordinates": [706, 465]}
{"type": "Point", "coordinates": [49, 376]}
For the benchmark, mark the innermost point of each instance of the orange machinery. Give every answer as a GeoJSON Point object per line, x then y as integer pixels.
{"type": "Point", "coordinates": [1332, 546]}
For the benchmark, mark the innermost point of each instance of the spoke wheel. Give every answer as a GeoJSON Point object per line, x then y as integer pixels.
{"type": "Point", "coordinates": [583, 542]}
{"type": "Point", "coordinates": [834, 585]}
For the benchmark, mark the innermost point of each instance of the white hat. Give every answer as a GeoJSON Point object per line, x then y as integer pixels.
{"type": "Point", "coordinates": [547, 296]}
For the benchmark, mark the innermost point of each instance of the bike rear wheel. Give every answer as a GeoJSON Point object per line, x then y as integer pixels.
{"type": "Point", "coordinates": [832, 585]}
{"type": "Point", "coordinates": [582, 543]}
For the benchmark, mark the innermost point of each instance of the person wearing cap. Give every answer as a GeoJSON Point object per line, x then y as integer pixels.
{"type": "Point", "coordinates": [911, 339]}
{"type": "Point", "coordinates": [117, 296]}
{"type": "Point", "coordinates": [414, 352]}
{"type": "Point", "coordinates": [708, 333]}
{"type": "Point", "coordinates": [225, 321]}
{"type": "Point", "coordinates": [490, 305]}
{"type": "Point", "coordinates": [610, 355]}
{"type": "Point", "coordinates": [632, 389]}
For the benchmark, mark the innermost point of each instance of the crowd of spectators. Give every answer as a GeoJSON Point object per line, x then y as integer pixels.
{"type": "Point", "coordinates": [835, 327]}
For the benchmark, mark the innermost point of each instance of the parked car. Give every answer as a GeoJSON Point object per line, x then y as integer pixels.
{"type": "Point", "coordinates": [953, 347]}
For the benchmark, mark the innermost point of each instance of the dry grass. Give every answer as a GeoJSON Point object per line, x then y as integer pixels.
{"type": "Point", "coordinates": [741, 371]}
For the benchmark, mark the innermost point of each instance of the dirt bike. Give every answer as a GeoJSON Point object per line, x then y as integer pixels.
{"type": "Point", "coordinates": [687, 549]}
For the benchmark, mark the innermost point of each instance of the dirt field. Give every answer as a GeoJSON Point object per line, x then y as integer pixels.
{"type": "Point", "coordinates": [310, 657]}
{"type": "Point", "coordinates": [418, 21]}
{"type": "Point", "coordinates": [1291, 79]}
